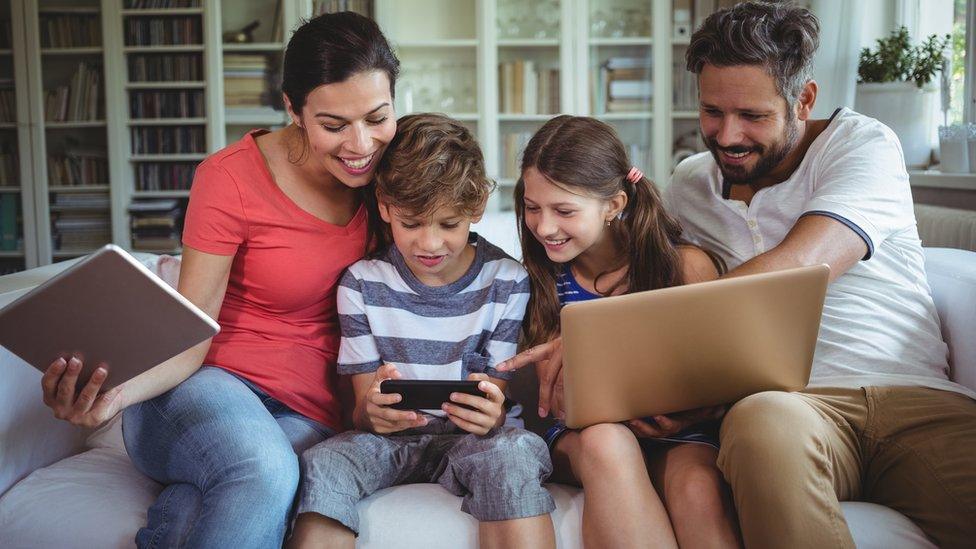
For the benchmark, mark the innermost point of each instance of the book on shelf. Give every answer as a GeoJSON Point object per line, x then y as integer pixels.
{"type": "Point", "coordinates": [9, 211]}
{"type": "Point", "coordinates": [160, 4]}
{"type": "Point", "coordinates": [622, 84]}
{"type": "Point", "coordinates": [73, 30]}
{"type": "Point", "coordinates": [524, 88]}
{"type": "Point", "coordinates": [166, 104]}
{"type": "Point", "coordinates": [8, 165]}
{"type": "Point", "coordinates": [362, 7]}
{"type": "Point", "coordinates": [685, 88]}
{"type": "Point", "coordinates": [164, 30]}
{"type": "Point", "coordinates": [68, 202]}
{"type": "Point", "coordinates": [5, 34]}
{"type": "Point", "coordinates": [8, 106]}
{"type": "Point", "coordinates": [246, 80]}
{"type": "Point", "coordinates": [164, 176]}
{"type": "Point", "coordinates": [165, 67]}
{"type": "Point", "coordinates": [77, 167]}
{"type": "Point", "coordinates": [168, 140]}
{"type": "Point", "coordinates": [78, 101]}
{"type": "Point", "coordinates": [512, 146]}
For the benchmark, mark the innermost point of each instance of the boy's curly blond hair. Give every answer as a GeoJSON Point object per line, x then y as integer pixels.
{"type": "Point", "coordinates": [433, 161]}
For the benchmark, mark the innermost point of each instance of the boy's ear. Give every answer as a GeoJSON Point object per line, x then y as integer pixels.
{"type": "Point", "coordinates": [384, 210]}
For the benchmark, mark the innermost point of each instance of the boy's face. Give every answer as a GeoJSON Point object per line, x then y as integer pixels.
{"type": "Point", "coordinates": [435, 247]}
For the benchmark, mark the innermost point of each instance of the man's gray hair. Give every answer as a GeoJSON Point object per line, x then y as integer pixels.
{"type": "Point", "coordinates": [781, 37]}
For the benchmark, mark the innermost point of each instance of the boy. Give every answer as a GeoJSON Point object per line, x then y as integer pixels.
{"type": "Point", "coordinates": [440, 303]}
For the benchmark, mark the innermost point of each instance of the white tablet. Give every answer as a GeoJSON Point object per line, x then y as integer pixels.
{"type": "Point", "coordinates": [106, 309]}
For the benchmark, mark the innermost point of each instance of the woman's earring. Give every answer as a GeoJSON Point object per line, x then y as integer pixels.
{"type": "Point", "coordinates": [608, 221]}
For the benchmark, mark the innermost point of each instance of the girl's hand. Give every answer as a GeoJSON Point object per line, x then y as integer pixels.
{"type": "Point", "coordinates": [670, 425]}
{"type": "Point", "coordinates": [88, 408]}
{"type": "Point", "coordinates": [488, 412]}
{"type": "Point", "coordinates": [548, 359]}
{"type": "Point", "coordinates": [379, 417]}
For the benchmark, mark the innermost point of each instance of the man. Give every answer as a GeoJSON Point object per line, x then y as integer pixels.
{"type": "Point", "coordinates": [879, 421]}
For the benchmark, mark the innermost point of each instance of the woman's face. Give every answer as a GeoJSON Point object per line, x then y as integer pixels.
{"type": "Point", "coordinates": [349, 124]}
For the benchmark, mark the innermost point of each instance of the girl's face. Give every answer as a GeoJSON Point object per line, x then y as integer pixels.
{"type": "Point", "coordinates": [565, 223]}
{"type": "Point", "coordinates": [349, 124]}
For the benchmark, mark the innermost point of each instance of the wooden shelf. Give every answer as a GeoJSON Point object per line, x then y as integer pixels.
{"type": "Point", "coordinates": [74, 124]}
{"type": "Point", "coordinates": [160, 194]}
{"type": "Point", "coordinates": [164, 48]}
{"type": "Point", "coordinates": [161, 11]}
{"type": "Point", "coordinates": [639, 115]}
{"type": "Point", "coordinates": [623, 41]}
{"type": "Point", "coordinates": [9, 190]}
{"type": "Point", "coordinates": [78, 188]}
{"type": "Point", "coordinates": [525, 117]}
{"type": "Point", "coordinates": [435, 43]}
{"type": "Point", "coordinates": [72, 51]}
{"type": "Point", "coordinates": [275, 47]}
{"type": "Point", "coordinates": [11, 254]}
{"type": "Point", "coordinates": [528, 42]}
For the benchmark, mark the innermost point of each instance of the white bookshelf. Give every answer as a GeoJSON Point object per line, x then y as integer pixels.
{"type": "Point", "coordinates": [456, 43]}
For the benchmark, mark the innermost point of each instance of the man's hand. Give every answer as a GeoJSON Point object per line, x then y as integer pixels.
{"type": "Point", "coordinates": [375, 413]}
{"type": "Point", "coordinates": [548, 359]}
{"type": "Point", "coordinates": [670, 425]}
{"type": "Point", "coordinates": [487, 413]}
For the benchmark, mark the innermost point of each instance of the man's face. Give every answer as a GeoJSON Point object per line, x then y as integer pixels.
{"type": "Point", "coordinates": [745, 123]}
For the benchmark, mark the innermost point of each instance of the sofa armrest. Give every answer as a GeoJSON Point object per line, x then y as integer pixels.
{"type": "Point", "coordinates": [952, 278]}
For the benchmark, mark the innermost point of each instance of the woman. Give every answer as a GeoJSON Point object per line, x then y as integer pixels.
{"type": "Point", "coordinates": [272, 222]}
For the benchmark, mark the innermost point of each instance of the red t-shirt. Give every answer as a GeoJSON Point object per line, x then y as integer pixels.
{"type": "Point", "coordinates": [278, 324]}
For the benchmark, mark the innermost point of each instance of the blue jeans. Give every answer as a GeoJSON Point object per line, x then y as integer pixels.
{"type": "Point", "coordinates": [228, 455]}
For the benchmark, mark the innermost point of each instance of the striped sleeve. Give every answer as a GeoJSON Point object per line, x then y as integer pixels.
{"type": "Point", "coordinates": [503, 343]}
{"type": "Point", "coordinates": [358, 353]}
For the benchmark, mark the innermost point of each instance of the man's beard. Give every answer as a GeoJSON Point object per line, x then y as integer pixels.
{"type": "Point", "coordinates": [768, 160]}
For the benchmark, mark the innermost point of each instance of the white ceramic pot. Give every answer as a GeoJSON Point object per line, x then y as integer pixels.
{"type": "Point", "coordinates": [909, 111]}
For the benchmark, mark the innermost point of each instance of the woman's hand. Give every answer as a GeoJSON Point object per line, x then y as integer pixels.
{"type": "Point", "coordinates": [375, 411]}
{"type": "Point", "coordinates": [548, 359]}
{"type": "Point", "coordinates": [670, 425]}
{"type": "Point", "coordinates": [88, 408]}
{"type": "Point", "coordinates": [487, 413]}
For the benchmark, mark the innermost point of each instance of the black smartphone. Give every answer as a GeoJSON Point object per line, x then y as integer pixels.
{"type": "Point", "coordinates": [427, 394]}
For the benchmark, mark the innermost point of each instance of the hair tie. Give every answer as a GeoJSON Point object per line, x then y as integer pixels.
{"type": "Point", "coordinates": [634, 175]}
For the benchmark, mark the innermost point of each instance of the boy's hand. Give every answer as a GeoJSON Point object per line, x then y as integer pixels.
{"type": "Point", "coordinates": [488, 412]}
{"type": "Point", "coordinates": [380, 418]}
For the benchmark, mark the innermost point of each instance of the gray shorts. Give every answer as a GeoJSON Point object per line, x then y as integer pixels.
{"type": "Point", "coordinates": [499, 475]}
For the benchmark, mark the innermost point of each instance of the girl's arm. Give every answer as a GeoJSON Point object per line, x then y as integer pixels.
{"type": "Point", "coordinates": [203, 281]}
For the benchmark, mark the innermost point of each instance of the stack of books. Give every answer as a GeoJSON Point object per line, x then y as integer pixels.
{"type": "Point", "coordinates": [79, 100]}
{"type": "Point", "coordinates": [78, 167]}
{"type": "Point", "coordinates": [524, 88]}
{"type": "Point", "coordinates": [156, 224]}
{"type": "Point", "coordinates": [362, 7]}
{"type": "Point", "coordinates": [623, 84]}
{"type": "Point", "coordinates": [245, 80]}
{"type": "Point", "coordinates": [80, 221]}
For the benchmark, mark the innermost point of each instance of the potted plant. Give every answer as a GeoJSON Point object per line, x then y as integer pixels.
{"type": "Point", "coordinates": [895, 85]}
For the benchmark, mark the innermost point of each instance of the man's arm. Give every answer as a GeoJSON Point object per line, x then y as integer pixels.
{"type": "Point", "coordinates": [813, 240]}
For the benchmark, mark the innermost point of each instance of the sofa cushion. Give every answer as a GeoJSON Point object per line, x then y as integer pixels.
{"type": "Point", "coordinates": [98, 499]}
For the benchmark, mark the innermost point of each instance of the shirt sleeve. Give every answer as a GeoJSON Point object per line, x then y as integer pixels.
{"type": "Point", "coordinates": [503, 343]}
{"type": "Point", "coordinates": [864, 185]}
{"type": "Point", "coordinates": [215, 219]}
{"type": "Point", "coordinates": [358, 353]}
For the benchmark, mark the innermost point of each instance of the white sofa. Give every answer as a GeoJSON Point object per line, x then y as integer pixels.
{"type": "Point", "coordinates": [63, 487]}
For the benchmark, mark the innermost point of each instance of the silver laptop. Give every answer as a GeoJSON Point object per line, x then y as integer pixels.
{"type": "Point", "coordinates": [675, 349]}
{"type": "Point", "coordinates": [106, 309]}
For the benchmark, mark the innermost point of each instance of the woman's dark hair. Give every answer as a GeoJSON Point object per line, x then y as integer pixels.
{"type": "Point", "coordinates": [331, 48]}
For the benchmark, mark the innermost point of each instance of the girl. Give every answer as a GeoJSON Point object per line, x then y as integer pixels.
{"type": "Point", "coordinates": [273, 221]}
{"type": "Point", "coordinates": [593, 226]}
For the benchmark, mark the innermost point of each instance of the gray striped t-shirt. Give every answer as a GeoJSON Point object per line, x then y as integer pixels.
{"type": "Point", "coordinates": [388, 316]}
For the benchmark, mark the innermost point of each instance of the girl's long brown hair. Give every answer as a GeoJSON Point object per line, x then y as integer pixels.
{"type": "Point", "coordinates": [585, 156]}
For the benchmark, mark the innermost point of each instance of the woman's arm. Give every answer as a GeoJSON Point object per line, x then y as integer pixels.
{"type": "Point", "coordinates": [203, 281]}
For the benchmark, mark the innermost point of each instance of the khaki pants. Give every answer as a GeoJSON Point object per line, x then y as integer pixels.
{"type": "Point", "coordinates": [791, 457]}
